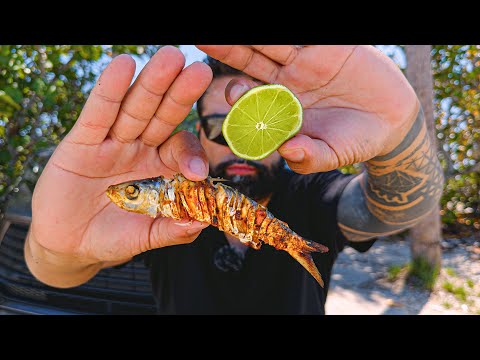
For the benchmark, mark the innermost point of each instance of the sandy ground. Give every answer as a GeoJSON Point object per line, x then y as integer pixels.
{"type": "Point", "coordinates": [360, 283]}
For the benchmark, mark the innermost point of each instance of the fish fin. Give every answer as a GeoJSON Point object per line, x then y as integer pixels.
{"type": "Point", "coordinates": [306, 260]}
{"type": "Point", "coordinates": [312, 246]}
{"type": "Point", "coordinates": [218, 179]}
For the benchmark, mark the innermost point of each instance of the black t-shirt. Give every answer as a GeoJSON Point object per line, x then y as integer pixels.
{"type": "Point", "coordinates": [185, 279]}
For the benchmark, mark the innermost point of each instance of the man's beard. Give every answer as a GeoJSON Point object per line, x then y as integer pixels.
{"type": "Point", "coordinates": [257, 186]}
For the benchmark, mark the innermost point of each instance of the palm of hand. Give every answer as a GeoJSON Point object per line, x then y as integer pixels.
{"type": "Point", "coordinates": [82, 174]}
{"type": "Point", "coordinates": [122, 134]}
{"type": "Point", "coordinates": [351, 99]}
{"type": "Point", "coordinates": [357, 103]}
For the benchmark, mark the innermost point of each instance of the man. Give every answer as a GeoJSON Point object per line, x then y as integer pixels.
{"type": "Point", "coordinates": [358, 107]}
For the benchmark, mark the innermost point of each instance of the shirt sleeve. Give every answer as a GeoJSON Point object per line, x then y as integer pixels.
{"type": "Point", "coordinates": [325, 190]}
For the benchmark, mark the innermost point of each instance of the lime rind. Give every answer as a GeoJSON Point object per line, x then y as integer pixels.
{"type": "Point", "coordinates": [247, 109]}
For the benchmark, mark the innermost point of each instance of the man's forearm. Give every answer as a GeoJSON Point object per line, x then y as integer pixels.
{"type": "Point", "coordinates": [58, 270]}
{"type": "Point", "coordinates": [397, 189]}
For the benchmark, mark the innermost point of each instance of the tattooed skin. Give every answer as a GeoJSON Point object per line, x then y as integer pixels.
{"type": "Point", "coordinates": [396, 190]}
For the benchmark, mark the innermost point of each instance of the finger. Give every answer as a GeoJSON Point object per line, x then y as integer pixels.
{"type": "Point", "coordinates": [236, 88]}
{"type": "Point", "coordinates": [167, 232]}
{"type": "Point", "coordinates": [101, 108]}
{"type": "Point", "coordinates": [283, 54]}
{"type": "Point", "coordinates": [246, 59]}
{"type": "Point", "coordinates": [183, 153]}
{"type": "Point", "coordinates": [177, 102]}
{"type": "Point", "coordinates": [316, 66]}
{"type": "Point", "coordinates": [305, 155]}
{"type": "Point", "coordinates": [147, 92]}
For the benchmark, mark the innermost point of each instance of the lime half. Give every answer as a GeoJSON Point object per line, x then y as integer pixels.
{"type": "Point", "coordinates": [261, 120]}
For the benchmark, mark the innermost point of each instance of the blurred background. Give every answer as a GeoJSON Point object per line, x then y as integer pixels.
{"type": "Point", "coordinates": [42, 92]}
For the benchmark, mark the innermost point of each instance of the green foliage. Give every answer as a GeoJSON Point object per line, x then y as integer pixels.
{"type": "Point", "coordinates": [422, 273]}
{"type": "Point", "coordinates": [456, 71]}
{"type": "Point", "coordinates": [456, 75]}
{"type": "Point", "coordinates": [42, 91]}
{"type": "Point", "coordinates": [450, 271]}
{"type": "Point", "coordinates": [470, 283]}
{"type": "Point", "coordinates": [393, 272]}
{"type": "Point", "coordinates": [417, 272]}
{"type": "Point", "coordinates": [189, 123]}
{"type": "Point", "coordinates": [447, 305]}
{"type": "Point", "coordinates": [458, 291]}
{"type": "Point", "coordinates": [351, 169]}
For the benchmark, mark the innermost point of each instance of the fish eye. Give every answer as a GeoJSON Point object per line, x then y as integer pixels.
{"type": "Point", "coordinates": [132, 191]}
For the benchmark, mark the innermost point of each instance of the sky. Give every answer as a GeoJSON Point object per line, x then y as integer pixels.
{"type": "Point", "coordinates": [191, 53]}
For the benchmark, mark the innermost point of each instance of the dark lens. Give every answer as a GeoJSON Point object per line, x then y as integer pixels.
{"type": "Point", "coordinates": [220, 140]}
{"type": "Point", "coordinates": [212, 125]}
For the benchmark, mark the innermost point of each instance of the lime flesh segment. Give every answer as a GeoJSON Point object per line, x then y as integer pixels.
{"type": "Point", "coordinates": [261, 120]}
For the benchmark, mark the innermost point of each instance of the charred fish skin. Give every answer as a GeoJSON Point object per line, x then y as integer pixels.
{"type": "Point", "coordinates": [220, 205]}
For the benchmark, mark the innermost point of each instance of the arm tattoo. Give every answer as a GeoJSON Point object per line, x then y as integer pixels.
{"type": "Point", "coordinates": [396, 190]}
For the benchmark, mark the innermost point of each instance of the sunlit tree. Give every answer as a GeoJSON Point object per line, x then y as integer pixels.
{"type": "Point", "coordinates": [42, 91]}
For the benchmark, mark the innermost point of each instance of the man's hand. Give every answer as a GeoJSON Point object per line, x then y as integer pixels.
{"type": "Point", "coordinates": [357, 103]}
{"type": "Point", "coordinates": [358, 107]}
{"type": "Point", "coordinates": [122, 134]}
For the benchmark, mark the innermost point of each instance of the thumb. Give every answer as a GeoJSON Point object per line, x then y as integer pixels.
{"type": "Point", "coordinates": [305, 155]}
{"type": "Point", "coordinates": [167, 232]}
{"type": "Point", "coordinates": [236, 88]}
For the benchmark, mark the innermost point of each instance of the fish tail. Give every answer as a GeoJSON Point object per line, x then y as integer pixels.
{"type": "Point", "coordinates": [301, 252]}
{"type": "Point", "coordinates": [306, 260]}
{"type": "Point", "coordinates": [312, 246]}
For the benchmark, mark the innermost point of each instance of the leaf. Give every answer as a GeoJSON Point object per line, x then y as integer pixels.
{"type": "Point", "coordinates": [41, 144]}
{"type": "Point", "coordinates": [38, 85]}
{"type": "Point", "coordinates": [4, 112]}
{"type": "Point", "coordinates": [15, 94]}
{"type": "Point", "coordinates": [49, 100]}
{"type": "Point", "coordinates": [5, 50]}
{"type": "Point", "coordinates": [7, 99]}
{"type": "Point", "coordinates": [4, 157]}
{"type": "Point", "coordinates": [16, 140]}
{"type": "Point", "coordinates": [4, 60]}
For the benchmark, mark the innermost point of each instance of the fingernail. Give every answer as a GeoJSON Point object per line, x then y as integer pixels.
{"type": "Point", "coordinates": [197, 166]}
{"type": "Point", "coordinates": [196, 227]}
{"type": "Point", "coordinates": [295, 155]}
{"type": "Point", "coordinates": [237, 91]}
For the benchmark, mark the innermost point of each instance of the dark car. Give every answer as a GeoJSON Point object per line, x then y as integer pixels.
{"type": "Point", "coordinates": [120, 290]}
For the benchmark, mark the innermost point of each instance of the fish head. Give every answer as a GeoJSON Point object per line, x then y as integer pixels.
{"type": "Point", "coordinates": [136, 196]}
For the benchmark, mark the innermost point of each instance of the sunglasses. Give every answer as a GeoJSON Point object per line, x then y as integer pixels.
{"type": "Point", "coordinates": [212, 125]}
